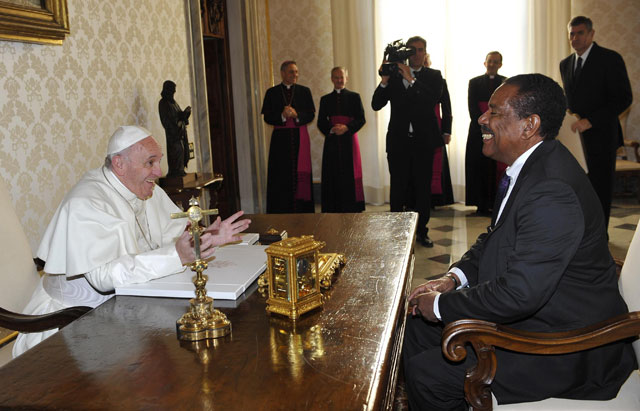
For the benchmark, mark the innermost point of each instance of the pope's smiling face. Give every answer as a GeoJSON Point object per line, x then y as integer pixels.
{"type": "Point", "coordinates": [139, 168]}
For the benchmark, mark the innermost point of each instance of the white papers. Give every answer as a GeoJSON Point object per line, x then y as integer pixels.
{"type": "Point", "coordinates": [229, 274]}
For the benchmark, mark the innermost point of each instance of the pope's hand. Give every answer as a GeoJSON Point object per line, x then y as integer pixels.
{"type": "Point", "coordinates": [217, 234]}
{"type": "Point", "coordinates": [227, 231]}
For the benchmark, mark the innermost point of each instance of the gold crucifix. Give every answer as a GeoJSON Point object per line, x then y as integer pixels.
{"type": "Point", "coordinates": [202, 321]}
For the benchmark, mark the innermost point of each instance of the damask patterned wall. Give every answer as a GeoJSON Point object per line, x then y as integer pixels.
{"type": "Point", "coordinates": [617, 26]}
{"type": "Point", "coordinates": [301, 31]}
{"type": "Point", "coordinates": [60, 104]}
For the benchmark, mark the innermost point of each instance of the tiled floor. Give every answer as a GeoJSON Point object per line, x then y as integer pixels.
{"type": "Point", "coordinates": [455, 228]}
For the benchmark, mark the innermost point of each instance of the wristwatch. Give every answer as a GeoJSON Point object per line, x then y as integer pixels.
{"type": "Point", "coordinates": [454, 279]}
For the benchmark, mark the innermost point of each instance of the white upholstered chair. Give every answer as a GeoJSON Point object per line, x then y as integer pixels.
{"type": "Point", "coordinates": [483, 334]}
{"type": "Point", "coordinates": [18, 280]}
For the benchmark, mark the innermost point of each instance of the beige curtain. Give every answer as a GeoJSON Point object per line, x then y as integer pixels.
{"type": "Point", "coordinates": [354, 46]}
{"type": "Point", "coordinates": [547, 34]}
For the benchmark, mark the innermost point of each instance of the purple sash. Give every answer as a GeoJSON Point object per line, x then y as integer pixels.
{"type": "Point", "coordinates": [355, 150]}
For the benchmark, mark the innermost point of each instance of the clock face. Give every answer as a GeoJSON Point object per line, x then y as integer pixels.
{"type": "Point", "coordinates": [306, 279]}
{"type": "Point", "coordinates": [304, 266]}
{"type": "Point", "coordinates": [280, 278]}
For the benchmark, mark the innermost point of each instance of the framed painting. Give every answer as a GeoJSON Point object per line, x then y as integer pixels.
{"type": "Point", "coordinates": [34, 21]}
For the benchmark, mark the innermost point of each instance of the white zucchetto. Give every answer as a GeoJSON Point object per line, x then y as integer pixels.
{"type": "Point", "coordinates": [126, 136]}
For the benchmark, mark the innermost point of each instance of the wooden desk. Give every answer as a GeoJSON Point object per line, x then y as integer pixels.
{"type": "Point", "coordinates": [125, 355]}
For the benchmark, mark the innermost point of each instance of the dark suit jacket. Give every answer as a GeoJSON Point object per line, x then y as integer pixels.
{"type": "Point", "coordinates": [413, 105]}
{"type": "Point", "coordinates": [546, 266]}
{"type": "Point", "coordinates": [600, 94]}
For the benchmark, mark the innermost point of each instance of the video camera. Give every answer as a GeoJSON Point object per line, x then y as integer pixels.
{"type": "Point", "coordinates": [396, 52]}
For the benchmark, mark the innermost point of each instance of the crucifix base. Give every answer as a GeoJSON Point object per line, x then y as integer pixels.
{"type": "Point", "coordinates": [202, 321]}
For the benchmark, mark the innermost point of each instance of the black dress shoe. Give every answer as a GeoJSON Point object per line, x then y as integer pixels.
{"type": "Point", "coordinates": [425, 241]}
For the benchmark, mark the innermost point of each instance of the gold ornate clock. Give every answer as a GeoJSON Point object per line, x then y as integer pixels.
{"type": "Point", "coordinates": [293, 276]}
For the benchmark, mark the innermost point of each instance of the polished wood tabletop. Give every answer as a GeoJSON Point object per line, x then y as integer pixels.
{"type": "Point", "coordinates": [125, 355]}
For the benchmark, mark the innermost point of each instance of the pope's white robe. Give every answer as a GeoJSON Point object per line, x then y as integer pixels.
{"type": "Point", "coordinates": [94, 244]}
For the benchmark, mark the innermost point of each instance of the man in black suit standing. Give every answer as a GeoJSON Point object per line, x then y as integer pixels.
{"type": "Point", "coordinates": [413, 132]}
{"type": "Point", "coordinates": [598, 90]}
{"type": "Point", "coordinates": [544, 265]}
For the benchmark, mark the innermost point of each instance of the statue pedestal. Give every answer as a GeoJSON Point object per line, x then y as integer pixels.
{"type": "Point", "coordinates": [178, 182]}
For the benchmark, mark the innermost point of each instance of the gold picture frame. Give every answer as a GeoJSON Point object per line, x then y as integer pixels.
{"type": "Point", "coordinates": [47, 24]}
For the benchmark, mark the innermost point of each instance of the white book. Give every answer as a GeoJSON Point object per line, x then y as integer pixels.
{"type": "Point", "coordinates": [229, 274]}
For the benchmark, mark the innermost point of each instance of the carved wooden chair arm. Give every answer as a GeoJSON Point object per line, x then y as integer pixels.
{"type": "Point", "coordinates": [484, 336]}
{"type": "Point", "coordinates": [38, 323]}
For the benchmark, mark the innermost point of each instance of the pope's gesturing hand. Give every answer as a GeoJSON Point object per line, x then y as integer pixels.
{"type": "Point", "coordinates": [220, 232]}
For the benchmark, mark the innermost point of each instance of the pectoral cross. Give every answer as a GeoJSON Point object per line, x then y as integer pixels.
{"type": "Point", "coordinates": [202, 321]}
{"type": "Point", "coordinates": [195, 214]}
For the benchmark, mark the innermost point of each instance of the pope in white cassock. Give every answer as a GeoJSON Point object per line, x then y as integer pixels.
{"type": "Point", "coordinates": [114, 228]}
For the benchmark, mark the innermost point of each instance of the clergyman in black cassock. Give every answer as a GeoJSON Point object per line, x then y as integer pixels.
{"type": "Point", "coordinates": [340, 117]}
{"type": "Point", "coordinates": [289, 108]}
{"type": "Point", "coordinates": [480, 171]}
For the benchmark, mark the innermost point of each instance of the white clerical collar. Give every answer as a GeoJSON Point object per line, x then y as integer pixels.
{"type": "Point", "coordinates": [338, 90]}
{"type": "Point", "coordinates": [288, 86]}
{"type": "Point", "coordinates": [584, 55]}
{"type": "Point", "coordinates": [492, 76]}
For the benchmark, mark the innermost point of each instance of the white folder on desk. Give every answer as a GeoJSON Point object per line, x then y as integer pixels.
{"type": "Point", "coordinates": [229, 274]}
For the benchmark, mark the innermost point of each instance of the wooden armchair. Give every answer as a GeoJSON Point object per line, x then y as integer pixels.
{"type": "Point", "coordinates": [628, 168]}
{"type": "Point", "coordinates": [18, 280]}
{"type": "Point", "coordinates": [484, 336]}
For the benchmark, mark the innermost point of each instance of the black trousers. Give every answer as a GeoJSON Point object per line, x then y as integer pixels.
{"type": "Point", "coordinates": [432, 382]}
{"type": "Point", "coordinates": [411, 179]}
{"type": "Point", "coordinates": [602, 171]}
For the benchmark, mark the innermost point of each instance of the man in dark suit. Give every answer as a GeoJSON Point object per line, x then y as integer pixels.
{"type": "Point", "coordinates": [598, 90]}
{"type": "Point", "coordinates": [480, 171]}
{"type": "Point", "coordinates": [544, 265]}
{"type": "Point", "coordinates": [340, 117]}
{"type": "Point", "coordinates": [413, 132]}
{"type": "Point", "coordinates": [289, 108]}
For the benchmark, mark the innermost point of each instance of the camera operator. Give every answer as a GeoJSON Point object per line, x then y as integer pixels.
{"type": "Point", "coordinates": [413, 130]}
